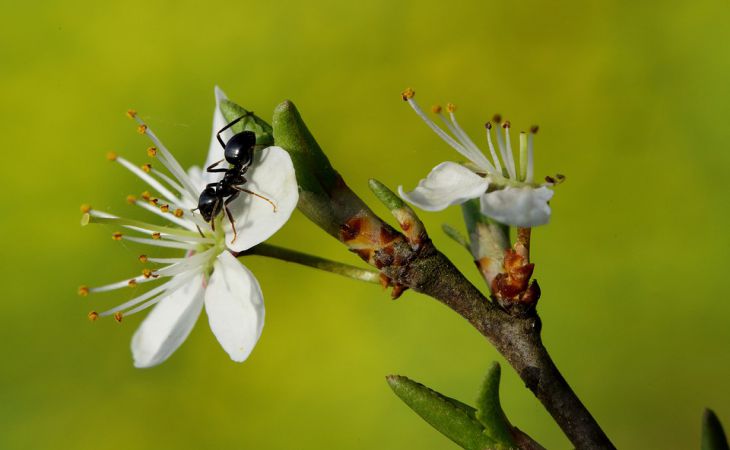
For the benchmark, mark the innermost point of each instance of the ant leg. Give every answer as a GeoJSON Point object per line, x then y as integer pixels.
{"type": "Point", "coordinates": [213, 216]}
{"type": "Point", "coordinates": [230, 216]}
{"type": "Point", "coordinates": [196, 225]}
{"type": "Point", "coordinates": [212, 170]}
{"type": "Point", "coordinates": [218, 134]}
{"type": "Point", "coordinates": [257, 195]}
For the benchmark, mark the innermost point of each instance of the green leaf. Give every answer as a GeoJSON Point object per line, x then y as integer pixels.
{"type": "Point", "coordinates": [454, 234]}
{"type": "Point", "coordinates": [489, 409]}
{"type": "Point", "coordinates": [713, 436]}
{"type": "Point", "coordinates": [250, 122]}
{"type": "Point", "coordinates": [386, 196]}
{"type": "Point", "coordinates": [316, 177]}
{"type": "Point", "coordinates": [453, 419]}
{"type": "Point", "coordinates": [292, 134]}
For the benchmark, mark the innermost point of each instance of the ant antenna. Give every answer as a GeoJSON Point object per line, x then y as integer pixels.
{"type": "Point", "coordinates": [218, 134]}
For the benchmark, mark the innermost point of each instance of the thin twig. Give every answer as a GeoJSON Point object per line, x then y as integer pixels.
{"type": "Point", "coordinates": [305, 259]}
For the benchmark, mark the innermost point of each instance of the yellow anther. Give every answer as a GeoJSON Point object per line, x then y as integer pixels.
{"type": "Point", "coordinates": [146, 167]}
{"type": "Point", "coordinates": [146, 195]}
{"type": "Point", "coordinates": [147, 273]}
{"type": "Point", "coordinates": [93, 315]}
{"type": "Point", "coordinates": [142, 129]}
{"type": "Point", "coordinates": [131, 199]}
{"type": "Point", "coordinates": [153, 201]}
{"type": "Point", "coordinates": [450, 107]}
{"type": "Point", "coordinates": [118, 316]}
{"type": "Point", "coordinates": [111, 156]}
{"type": "Point", "coordinates": [156, 236]}
{"type": "Point", "coordinates": [85, 208]}
{"type": "Point", "coordinates": [408, 94]}
{"type": "Point", "coordinates": [436, 109]}
{"type": "Point", "coordinates": [131, 113]}
{"type": "Point", "coordinates": [117, 236]}
{"type": "Point", "coordinates": [143, 258]}
{"type": "Point", "coordinates": [179, 213]}
{"type": "Point", "coordinates": [132, 283]}
{"type": "Point", "coordinates": [83, 290]}
{"type": "Point", "coordinates": [151, 152]}
{"type": "Point", "coordinates": [165, 208]}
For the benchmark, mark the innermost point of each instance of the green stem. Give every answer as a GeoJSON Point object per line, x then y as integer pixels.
{"type": "Point", "coordinates": [305, 259]}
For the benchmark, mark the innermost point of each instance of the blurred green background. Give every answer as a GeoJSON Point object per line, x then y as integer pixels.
{"type": "Point", "coordinates": [633, 103]}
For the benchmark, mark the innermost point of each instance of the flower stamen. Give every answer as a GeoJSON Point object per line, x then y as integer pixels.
{"type": "Point", "coordinates": [143, 227]}
{"type": "Point", "coordinates": [495, 158]}
{"type": "Point", "coordinates": [167, 159]}
{"type": "Point", "coordinates": [143, 174]}
{"type": "Point", "coordinates": [408, 95]}
{"type": "Point", "coordinates": [510, 155]}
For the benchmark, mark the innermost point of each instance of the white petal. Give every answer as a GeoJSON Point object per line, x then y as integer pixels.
{"type": "Point", "coordinates": [271, 175]}
{"type": "Point", "coordinates": [215, 151]}
{"type": "Point", "coordinates": [198, 177]}
{"type": "Point", "coordinates": [519, 207]}
{"type": "Point", "coordinates": [168, 324]}
{"type": "Point", "coordinates": [447, 184]}
{"type": "Point", "coordinates": [235, 307]}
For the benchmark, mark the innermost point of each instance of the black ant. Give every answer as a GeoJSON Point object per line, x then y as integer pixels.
{"type": "Point", "coordinates": [215, 197]}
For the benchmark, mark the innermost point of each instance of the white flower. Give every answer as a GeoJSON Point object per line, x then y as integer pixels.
{"type": "Point", "coordinates": [507, 191]}
{"type": "Point", "coordinates": [207, 273]}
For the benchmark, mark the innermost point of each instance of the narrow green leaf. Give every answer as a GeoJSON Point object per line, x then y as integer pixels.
{"type": "Point", "coordinates": [250, 122]}
{"type": "Point", "coordinates": [450, 417]}
{"type": "Point", "coordinates": [454, 234]}
{"type": "Point", "coordinates": [385, 195]}
{"type": "Point", "coordinates": [713, 436]}
{"type": "Point", "coordinates": [489, 409]}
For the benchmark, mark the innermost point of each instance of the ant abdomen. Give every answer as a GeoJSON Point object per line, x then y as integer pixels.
{"type": "Point", "coordinates": [239, 149]}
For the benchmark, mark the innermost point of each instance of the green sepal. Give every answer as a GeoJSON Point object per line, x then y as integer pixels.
{"type": "Point", "coordinates": [713, 436]}
{"type": "Point", "coordinates": [455, 420]}
{"type": "Point", "coordinates": [489, 409]}
{"type": "Point", "coordinates": [250, 122]}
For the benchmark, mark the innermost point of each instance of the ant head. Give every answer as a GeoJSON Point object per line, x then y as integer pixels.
{"type": "Point", "coordinates": [209, 203]}
{"type": "Point", "coordinates": [239, 149]}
